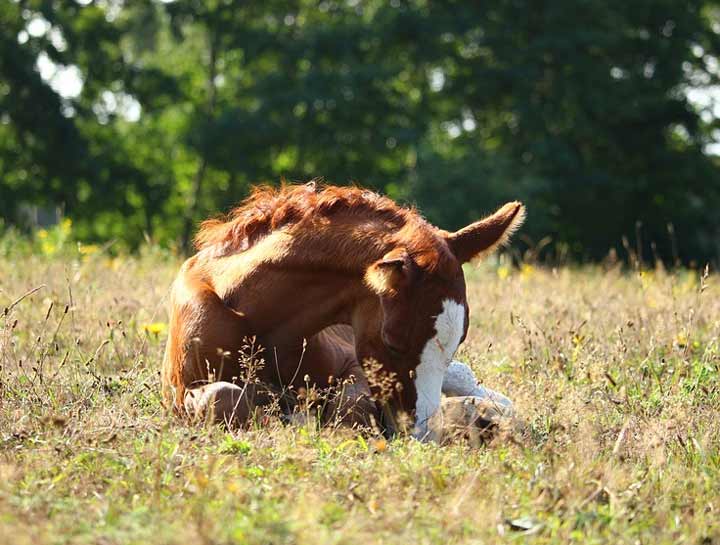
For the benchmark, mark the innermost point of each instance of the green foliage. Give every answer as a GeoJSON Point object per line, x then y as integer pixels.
{"type": "Point", "coordinates": [581, 110]}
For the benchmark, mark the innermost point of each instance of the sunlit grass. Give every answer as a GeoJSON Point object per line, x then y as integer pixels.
{"type": "Point", "coordinates": [615, 376]}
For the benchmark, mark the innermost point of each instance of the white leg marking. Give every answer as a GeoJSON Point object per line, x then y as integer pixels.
{"type": "Point", "coordinates": [459, 380]}
{"type": "Point", "coordinates": [434, 361]}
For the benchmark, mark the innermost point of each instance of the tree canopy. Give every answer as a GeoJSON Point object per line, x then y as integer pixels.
{"type": "Point", "coordinates": [141, 118]}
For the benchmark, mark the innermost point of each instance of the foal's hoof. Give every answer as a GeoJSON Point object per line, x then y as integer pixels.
{"type": "Point", "coordinates": [475, 419]}
{"type": "Point", "coordinates": [219, 402]}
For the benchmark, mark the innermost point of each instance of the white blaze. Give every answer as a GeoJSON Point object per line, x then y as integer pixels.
{"type": "Point", "coordinates": [434, 361]}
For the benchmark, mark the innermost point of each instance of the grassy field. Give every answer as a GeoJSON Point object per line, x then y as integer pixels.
{"type": "Point", "coordinates": [614, 375]}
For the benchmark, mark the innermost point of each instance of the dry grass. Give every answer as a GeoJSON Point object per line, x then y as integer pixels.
{"type": "Point", "coordinates": [615, 375]}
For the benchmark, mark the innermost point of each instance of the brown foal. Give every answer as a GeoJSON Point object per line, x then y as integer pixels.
{"type": "Point", "coordinates": [325, 279]}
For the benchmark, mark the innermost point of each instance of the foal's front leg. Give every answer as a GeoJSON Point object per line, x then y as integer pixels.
{"type": "Point", "coordinates": [352, 402]}
{"type": "Point", "coordinates": [459, 380]}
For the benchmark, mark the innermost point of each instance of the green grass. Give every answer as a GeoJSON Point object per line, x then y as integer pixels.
{"type": "Point", "coordinates": [614, 375]}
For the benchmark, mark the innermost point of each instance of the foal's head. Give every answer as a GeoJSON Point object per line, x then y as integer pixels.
{"type": "Point", "coordinates": [422, 310]}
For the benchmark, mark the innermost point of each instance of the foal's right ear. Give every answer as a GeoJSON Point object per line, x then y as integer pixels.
{"type": "Point", "coordinates": [390, 273]}
{"type": "Point", "coordinates": [483, 237]}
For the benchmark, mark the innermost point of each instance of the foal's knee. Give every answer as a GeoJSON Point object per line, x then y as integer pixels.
{"type": "Point", "coordinates": [221, 402]}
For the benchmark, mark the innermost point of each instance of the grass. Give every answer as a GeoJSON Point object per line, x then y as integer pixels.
{"type": "Point", "coordinates": [615, 377]}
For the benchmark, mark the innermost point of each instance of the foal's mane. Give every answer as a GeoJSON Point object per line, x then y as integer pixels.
{"type": "Point", "coordinates": [269, 208]}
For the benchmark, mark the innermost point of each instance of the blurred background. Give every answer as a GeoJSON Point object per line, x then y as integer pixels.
{"type": "Point", "coordinates": [129, 121]}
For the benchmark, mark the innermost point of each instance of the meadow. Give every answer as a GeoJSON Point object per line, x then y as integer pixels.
{"type": "Point", "coordinates": [614, 373]}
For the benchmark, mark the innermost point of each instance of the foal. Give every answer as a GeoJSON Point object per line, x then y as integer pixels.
{"type": "Point", "coordinates": [326, 279]}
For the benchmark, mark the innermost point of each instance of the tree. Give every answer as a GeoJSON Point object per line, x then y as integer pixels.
{"type": "Point", "coordinates": [583, 107]}
{"type": "Point", "coordinates": [580, 109]}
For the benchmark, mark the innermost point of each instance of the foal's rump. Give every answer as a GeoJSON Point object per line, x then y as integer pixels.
{"type": "Point", "coordinates": [204, 334]}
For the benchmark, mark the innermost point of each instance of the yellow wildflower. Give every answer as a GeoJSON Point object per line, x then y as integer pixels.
{"type": "Point", "coordinates": [646, 279]}
{"type": "Point", "coordinates": [113, 263]}
{"type": "Point", "coordinates": [47, 247]}
{"type": "Point", "coordinates": [526, 271]}
{"type": "Point", "coordinates": [88, 249]}
{"type": "Point", "coordinates": [155, 328]}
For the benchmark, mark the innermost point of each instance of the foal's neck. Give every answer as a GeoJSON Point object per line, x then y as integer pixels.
{"type": "Point", "coordinates": [345, 243]}
{"type": "Point", "coordinates": [293, 284]}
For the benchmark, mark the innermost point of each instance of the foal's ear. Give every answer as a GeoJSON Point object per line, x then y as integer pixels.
{"type": "Point", "coordinates": [390, 273]}
{"type": "Point", "coordinates": [485, 236]}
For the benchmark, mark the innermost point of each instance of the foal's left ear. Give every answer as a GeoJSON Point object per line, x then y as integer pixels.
{"type": "Point", "coordinates": [388, 275]}
{"type": "Point", "coordinates": [485, 236]}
